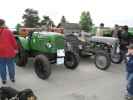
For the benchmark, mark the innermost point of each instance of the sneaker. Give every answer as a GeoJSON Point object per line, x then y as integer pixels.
{"type": "Point", "coordinates": [13, 80]}
{"type": "Point", "coordinates": [3, 82]}
{"type": "Point", "coordinates": [128, 97]}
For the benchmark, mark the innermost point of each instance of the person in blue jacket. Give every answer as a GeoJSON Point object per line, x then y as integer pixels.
{"type": "Point", "coordinates": [129, 69]}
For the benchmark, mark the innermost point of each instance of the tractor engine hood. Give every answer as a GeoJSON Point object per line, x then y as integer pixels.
{"type": "Point", "coordinates": [55, 39]}
{"type": "Point", "coordinates": [105, 40]}
{"type": "Point", "coordinates": [50, 34]}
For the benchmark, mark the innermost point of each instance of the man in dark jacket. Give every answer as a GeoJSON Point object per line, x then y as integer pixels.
{"type": "Point", "coordinates": [8, 49]}
{"type": "Point", "coordinates": [124, 39]}
{"type": "Point", "coordinates": [116, 31]}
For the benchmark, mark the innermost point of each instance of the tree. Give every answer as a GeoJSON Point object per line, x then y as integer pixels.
{"type": "Point", "coordinates": [47, 22]}
{"type": "Point", "coordinates": [31, 18]}
{"type": "Point", "coordinates": [86, 21]}
{"type": "Point", "coordinates": [17, 27]}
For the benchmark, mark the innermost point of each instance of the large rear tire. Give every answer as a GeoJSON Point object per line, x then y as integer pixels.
{"type": "Point", "coordinates": [22, 56]}
{"type": "Point", "coordinates": [102, 60]}
{"type": "Point", "coordinates": [117, 58]}
{"type": "Point", "coordinates": [42, 67]}
{"type": "Point", "coordinates": [71, 60]}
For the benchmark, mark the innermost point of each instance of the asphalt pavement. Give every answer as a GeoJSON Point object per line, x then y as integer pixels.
{"type": "Point", "coordinates": [85, 83]}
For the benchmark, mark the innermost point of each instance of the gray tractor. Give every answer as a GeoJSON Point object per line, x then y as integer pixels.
{"type": "Point", "coordinates": [104, 49]}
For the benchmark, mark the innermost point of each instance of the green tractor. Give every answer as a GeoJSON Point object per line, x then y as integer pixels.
{"type": "Point", "coordinates": [47, 48]}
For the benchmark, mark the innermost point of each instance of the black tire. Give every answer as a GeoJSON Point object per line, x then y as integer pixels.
{"type": "Point", "coordinates": [102, 60]}
{"type": "Point", "coordinates": [21, 57]}
{"type": "Point", "coordinates": [117, 58]}
{"type": "Point", "coordinates": [71, 60]}
{"type": "Point", "coordinates": [42, 67]}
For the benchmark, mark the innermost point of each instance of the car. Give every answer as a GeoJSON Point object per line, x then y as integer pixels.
{"type": "Point", "coordinates": [46, 48]}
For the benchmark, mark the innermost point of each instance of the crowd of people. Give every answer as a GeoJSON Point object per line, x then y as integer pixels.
{"type": "Point", "coordinates": [120, 32]}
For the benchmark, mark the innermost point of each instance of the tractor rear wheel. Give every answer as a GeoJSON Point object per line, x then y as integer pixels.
{"type": "Point", "coordinates": [102, 60]}
{"type": "Point", "coordinates": [21, 57]}
{"type": "Point", "coordinates": [117, 58]}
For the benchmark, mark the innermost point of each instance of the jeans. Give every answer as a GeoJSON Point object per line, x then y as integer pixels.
{"type": "Point", "coordinates": [7, 63]}
{"type": "Point", "coordinates": [130, 83]}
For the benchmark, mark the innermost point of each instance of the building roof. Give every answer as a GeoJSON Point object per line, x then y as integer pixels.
{"type": "Point", "coordinates": [69, 25]}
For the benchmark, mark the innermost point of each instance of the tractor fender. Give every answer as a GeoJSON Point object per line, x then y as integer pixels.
{"type": "Point", "coordinates": [24, 41]}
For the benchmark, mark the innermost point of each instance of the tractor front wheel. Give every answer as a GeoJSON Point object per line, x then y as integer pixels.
{"type": "Point", "coordinates": [42, 67]}
{"type": "Point", "coordinates": [71, 60]}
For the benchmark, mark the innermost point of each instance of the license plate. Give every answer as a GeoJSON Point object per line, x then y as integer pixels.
{"type": "Point", "coordinates": [60, 53]}
{"type": "Point", "coordinates": [60, 61]}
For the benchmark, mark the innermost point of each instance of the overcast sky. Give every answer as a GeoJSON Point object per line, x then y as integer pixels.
{"type": "Point", "coordinates": [109, 12]}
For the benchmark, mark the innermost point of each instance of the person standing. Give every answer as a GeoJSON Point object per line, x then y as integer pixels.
{"type": "Point", "coordinates": [129, 69]}
{"type": "Point", "coordinates": [116, 31]}
{"type": "Point", "coordinates": [124, 39]}
{"type": "Point", "coordinates": [100, 30]}
{"type": "Point", "coordinates": [8, 50]}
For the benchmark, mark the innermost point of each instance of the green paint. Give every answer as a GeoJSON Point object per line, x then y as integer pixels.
{"type": "Point", "coordinates": [46, 42]}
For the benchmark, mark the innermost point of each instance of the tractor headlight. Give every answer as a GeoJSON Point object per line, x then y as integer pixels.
{"type": "Point", "coordinates": [49, 45]}
{"type": "Point", "coordinates": [69, 45]}
{"type": "Point", "coordinates": [80, 47]}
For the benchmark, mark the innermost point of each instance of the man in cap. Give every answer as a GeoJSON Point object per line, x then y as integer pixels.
{"type": "Point", "coordinates": [116, 31]}
{"type": "Point", "coordinates": [100, 30]}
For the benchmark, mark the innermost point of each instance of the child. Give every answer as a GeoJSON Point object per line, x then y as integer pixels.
{"type": "Point", "coordinates": [129, 67]}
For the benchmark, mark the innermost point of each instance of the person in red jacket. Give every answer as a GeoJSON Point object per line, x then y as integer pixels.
{"type": "Point", "coordinates": [8, 49]}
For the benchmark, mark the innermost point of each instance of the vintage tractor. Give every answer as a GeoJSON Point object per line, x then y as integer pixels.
{"type": "Point", "coordinates": [47, 48]}
{"type": "Point", "coordinates": [104, 49]}
{"type": "Point", "coordinates": [110, 46]}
